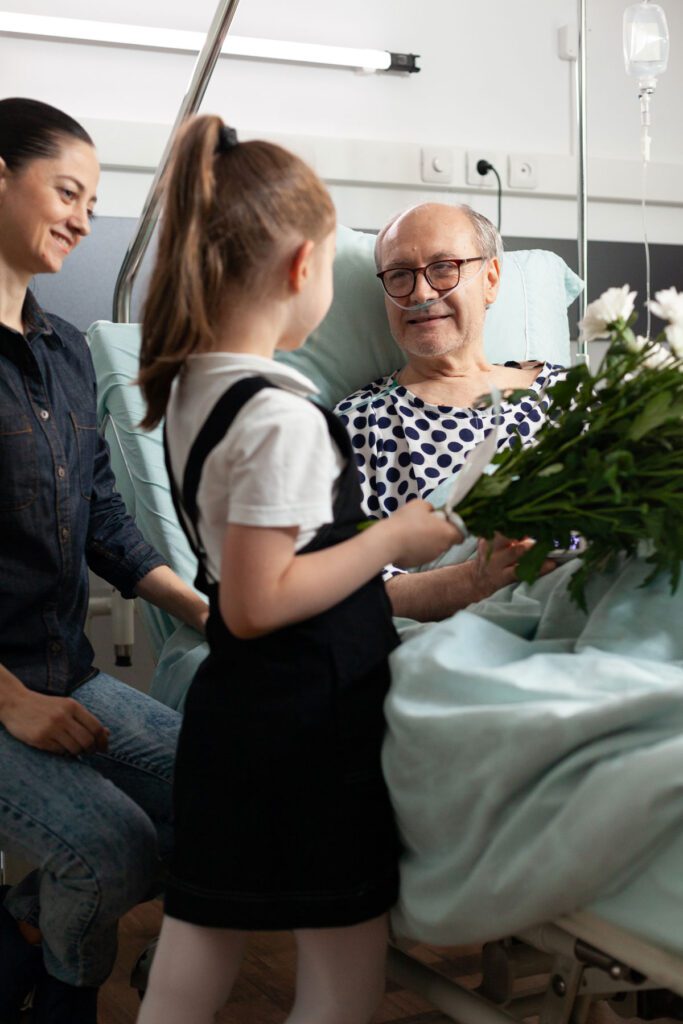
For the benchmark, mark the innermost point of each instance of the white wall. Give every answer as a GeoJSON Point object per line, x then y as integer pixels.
{"type": "Point", "coordinates": [491, 80]}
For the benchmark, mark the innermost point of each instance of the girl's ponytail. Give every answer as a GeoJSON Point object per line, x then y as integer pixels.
{"type": "Point", "coordinates": [228, 207]}
{"type": "Point", "coordinates": [181, 303]}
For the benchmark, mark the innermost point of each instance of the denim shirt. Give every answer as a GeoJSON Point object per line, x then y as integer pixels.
{"type": "Point", "coordinates": [59, 509]}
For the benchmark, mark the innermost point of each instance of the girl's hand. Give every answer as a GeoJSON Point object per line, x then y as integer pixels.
{"type": "Point", "coordinates": [420, 535]}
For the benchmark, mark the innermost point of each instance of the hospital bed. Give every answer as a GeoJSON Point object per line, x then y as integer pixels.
{"type": "Point", "coordinates": [555, 969]}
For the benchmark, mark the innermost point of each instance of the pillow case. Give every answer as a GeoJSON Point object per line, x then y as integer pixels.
{"type": "Point", "coordinates": [353, 344]}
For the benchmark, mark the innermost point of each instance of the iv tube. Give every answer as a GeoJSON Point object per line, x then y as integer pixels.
{"type": "Point", "coordinates": [648, 287]}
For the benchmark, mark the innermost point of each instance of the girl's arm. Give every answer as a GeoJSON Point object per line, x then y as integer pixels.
{"type": "Point", "coordinates": [265, 585]}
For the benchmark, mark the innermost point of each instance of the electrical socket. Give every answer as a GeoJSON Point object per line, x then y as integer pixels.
{"type": "Point", "coordinates": [522, 172]}
{"type": "Point", "coordinates": [472, 175]}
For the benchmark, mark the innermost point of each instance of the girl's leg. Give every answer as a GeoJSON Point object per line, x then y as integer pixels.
{"type": "Point", "coordinates": [340, 973]}
{"type": "Point", "coordinates": [193, 971]}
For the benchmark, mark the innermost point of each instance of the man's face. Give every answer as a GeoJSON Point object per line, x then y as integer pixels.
{"type": "Point", "coordinates": [456, 322]}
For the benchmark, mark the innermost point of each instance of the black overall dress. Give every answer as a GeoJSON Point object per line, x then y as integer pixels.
{"type": "Point", "coordinates": [282, 814]}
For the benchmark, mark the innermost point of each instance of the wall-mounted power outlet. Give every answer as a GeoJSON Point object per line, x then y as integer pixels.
{"type": "Point", "coordinates": [473, 176]}
{"type": "Point", "coordinates": [522, 172]}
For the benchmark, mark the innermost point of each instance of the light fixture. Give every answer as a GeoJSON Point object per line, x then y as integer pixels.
{"type": "Point", "coordinates": [77, 30]}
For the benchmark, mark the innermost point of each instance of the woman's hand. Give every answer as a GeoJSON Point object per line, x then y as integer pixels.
{"type": "Point", "coordinates": [59, 725]}
{"type": "Point", "coordinates": [163, 588]}
{"type": "Point", "coordinates": [495, 565]}
{"type": "Point", "coordinates": [421, 535]}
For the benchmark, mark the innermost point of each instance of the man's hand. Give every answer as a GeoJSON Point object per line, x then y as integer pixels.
{"type": "Point", "coordinates": [59, 725]}
{"type": "Point", "coordinates": [495, 565]}
{"type": "Point", "coordinates": [437, 593]}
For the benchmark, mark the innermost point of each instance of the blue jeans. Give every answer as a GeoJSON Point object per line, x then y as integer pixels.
{"type": "Point", "coordinates": [95, 824]}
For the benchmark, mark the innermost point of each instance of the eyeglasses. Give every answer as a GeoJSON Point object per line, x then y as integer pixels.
{"type": "Point", "coordinates": [442, 275]}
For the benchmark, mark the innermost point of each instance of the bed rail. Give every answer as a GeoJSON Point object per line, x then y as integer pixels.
{"type": "Point", "coordinates": [201, 75]}
{"type": "Point", "coordinates": [225, 12]}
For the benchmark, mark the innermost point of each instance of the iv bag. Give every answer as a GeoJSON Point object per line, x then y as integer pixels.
{"type": "Point", "coordinates": [646, 40]}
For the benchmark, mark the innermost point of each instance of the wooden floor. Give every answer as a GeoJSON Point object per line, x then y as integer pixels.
{"type": "Point", "coordinates": [264, 991]}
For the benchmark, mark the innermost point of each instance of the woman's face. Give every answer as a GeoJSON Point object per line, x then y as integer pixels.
{"type": "Point", "coordinates": [45, 208]}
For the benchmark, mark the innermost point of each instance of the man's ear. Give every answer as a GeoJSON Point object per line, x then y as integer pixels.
{"type": "Point", "coordinates": [491, 281]}
{"type": "Point", "coordinates": [300, 266]}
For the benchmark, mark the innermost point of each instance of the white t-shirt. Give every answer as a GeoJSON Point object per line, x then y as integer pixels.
{"type": "Point", "coordinates": [277, 465]}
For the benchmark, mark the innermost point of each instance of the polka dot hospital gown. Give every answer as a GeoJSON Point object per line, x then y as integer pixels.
{"type": "Point", "coordinates": [404, 446]}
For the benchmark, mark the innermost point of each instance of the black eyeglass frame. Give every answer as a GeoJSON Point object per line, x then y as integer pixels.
{"type": "Point", "coordinates": [424, 270]}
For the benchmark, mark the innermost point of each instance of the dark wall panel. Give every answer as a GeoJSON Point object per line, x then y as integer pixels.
{"type": "Point", "coordinates": [613, 264]}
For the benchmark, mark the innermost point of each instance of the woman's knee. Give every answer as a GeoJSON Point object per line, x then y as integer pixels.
{"type": "Point", "coordinates": [113, 857]}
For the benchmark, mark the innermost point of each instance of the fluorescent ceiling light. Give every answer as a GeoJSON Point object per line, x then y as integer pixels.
{"type": "Point", "coordinates": [78, 30]}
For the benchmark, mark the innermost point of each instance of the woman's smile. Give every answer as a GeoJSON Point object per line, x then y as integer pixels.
{"type": "Point", "coordinates": [64, 241]}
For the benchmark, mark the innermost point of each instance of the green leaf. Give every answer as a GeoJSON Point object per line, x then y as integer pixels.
{"type": "Point", "coordinates": [622, 459]}
{"type": "Point", "coordinates": [529, 565]}
{"type": "Point", "coordinates": [491, 486]}
{"type": "Point", "coordinates": [612, 478]}
{"type": "Point", "coordinates": [655, 413]}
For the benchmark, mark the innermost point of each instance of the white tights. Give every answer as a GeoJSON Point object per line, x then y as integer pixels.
{"type": "Point", "coordinates": [339, 980]}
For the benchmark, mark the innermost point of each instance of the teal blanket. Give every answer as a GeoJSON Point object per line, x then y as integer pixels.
{"type": "Point", "coordinates": [535, 761]}
{"type": "Point", "coordinates": [534, 757]}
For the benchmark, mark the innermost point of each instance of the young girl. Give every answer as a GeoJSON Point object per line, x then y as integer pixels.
{"type": "Point", "coordinates": [283, 820]}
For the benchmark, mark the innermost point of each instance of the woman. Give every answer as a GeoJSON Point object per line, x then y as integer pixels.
{"type": "Point", "coordinates": [85, 761]}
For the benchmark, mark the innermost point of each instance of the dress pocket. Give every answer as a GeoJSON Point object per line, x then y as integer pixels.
{"type": "Point", "coordinates": [18, 463]}
{"type": "Point", "coordinates": [85, 427]}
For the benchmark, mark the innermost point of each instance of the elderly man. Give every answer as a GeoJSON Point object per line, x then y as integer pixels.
{"type": "Point", "coordinates": [440, 268]}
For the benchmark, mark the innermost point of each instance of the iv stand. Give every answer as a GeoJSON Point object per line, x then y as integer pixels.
{"type": "Point", "coordinates": [582, 195]}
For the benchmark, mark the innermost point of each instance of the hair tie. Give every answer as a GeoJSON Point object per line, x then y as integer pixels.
{"type": "Point", "coordinates": [227, 139]}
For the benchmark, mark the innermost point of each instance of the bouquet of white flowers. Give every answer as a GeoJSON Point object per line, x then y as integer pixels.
{"type": "Point", "coordinates": [608, 464]}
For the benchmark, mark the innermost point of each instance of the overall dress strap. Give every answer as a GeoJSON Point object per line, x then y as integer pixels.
{"type": "Point", "coordinates": [213, 431]}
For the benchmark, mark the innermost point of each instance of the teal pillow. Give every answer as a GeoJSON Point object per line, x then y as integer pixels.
{"type": "Point", "coordinates": [353, 344]}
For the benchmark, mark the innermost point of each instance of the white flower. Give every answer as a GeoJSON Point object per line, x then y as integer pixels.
{"type": "Point", "coordinates": [636, 344]}
{"type": "Point", "coordinates": [659, 356]}
{"type": "Point", "coordinates": [656, 357]}
{"type": "Point", "coordinates": [674, 335]}
{"type": "Point", "coordinates": [668, 306]}
{"type": "Point", "coordinates": [614, 304]}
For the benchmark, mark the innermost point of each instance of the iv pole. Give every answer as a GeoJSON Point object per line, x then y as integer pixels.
{"type": "Point", "coordinates": [582, 195]}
